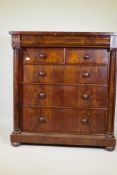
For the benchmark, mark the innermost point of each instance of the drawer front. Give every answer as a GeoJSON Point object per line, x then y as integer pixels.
{"type": "Point", "coordinates": [87, 56]}
{"type": "Point", "coordinates": [65, 74]}
{"type": "Point", "coordinates": [63, 120]}
{"type": "Point", "coordinates": [43, 55]}
{"type": "Point", "coordinates": [79, 96]}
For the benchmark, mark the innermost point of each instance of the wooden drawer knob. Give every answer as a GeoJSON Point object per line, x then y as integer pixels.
{"type": "Point", "coordinates": [42, 95]}
{"type": "Point", "coordinates": [86, 56]}
{"type": "Point", "coordinates": [42, 55]}
{"type": "Point", "coordinates": [85, 97]}
{"type": "Point", "coordinates": [86, 75]}
{"type": "Point", "coordinates": [41, 119]}
{"type": "Point", "coordinates": [84, 121]}
{"type": "Point", "coordinates": [42, 74]}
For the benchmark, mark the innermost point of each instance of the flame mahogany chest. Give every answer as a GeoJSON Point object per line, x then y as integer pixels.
{"type": "Point", "coordinates": [64, 88]}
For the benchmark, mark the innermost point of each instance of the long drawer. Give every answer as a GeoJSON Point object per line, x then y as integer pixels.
{"type": "Point", "coordinates": [63, 95]}
{"type": "Point", "coordinates": [63, 120]}
{"type": "Point", "coordinates": [65, 74]}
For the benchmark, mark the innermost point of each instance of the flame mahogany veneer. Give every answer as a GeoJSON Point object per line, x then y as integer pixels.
{"type": "Point", "coordinates": [64, 88]}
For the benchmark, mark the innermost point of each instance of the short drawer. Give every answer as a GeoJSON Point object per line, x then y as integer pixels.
{"type": "Point", "coordinates": [63, 120]}
{"type": "Point", "coordinates": [58, 95]}
{"type": "Point", "coordinates": [65, 74]}
{"type": "Point", "coordinates": [87, 56]}
{"type": "Point", "coordinates": [43, 55]}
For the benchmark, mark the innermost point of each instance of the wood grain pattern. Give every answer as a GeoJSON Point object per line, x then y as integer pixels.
{"type": "Point", "coordinates": [62, 39]}
{"type": "Point", "coordinates": [60, 95]}
{"type": "Point", "coordinates": [65, 74]}
{"type": "Point", "coordinates": [112, 93]}
{"type": "Point", "coordinates": [87, 56]}
{"type": "Point", "coordinates": [64, 88]}
{"type": "Point", "coordinates": [16, 93]}
{"type": "Point", "coordinates": [43, 55]}
{"type": "Point", "coordinates": [63, 120]}
{"type": "Point", "coordinates": [64, 139]}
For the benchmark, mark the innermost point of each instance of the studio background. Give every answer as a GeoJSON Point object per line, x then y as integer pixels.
{"type": "Point", "coordinates": [49, 15]}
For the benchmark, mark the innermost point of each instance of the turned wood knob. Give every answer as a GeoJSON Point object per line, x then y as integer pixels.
{"type": "Point", "coordinates": [42, 55]}
{"type": "Point", "coordinates": [85, 97]}
{"type": "Point", "coordinates": [84, 121]}
{"type": "Point", "coordinates": [41, 119]}
{"type": "Point", "coordinates": [86, 75]}
{"type": "Point", "coordinates": [42, 74]}
{"type": "Point", "coordinates": [86, 56]}
{"type": "Point", "coordinates": [42, 95]}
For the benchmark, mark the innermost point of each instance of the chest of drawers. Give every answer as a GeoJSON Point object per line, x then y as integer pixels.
{"type": "Point", "coordinates": [64, 88]}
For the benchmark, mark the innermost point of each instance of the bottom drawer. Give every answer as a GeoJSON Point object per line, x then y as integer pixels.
{"type": "Point", "coordinates": [63, 120]}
